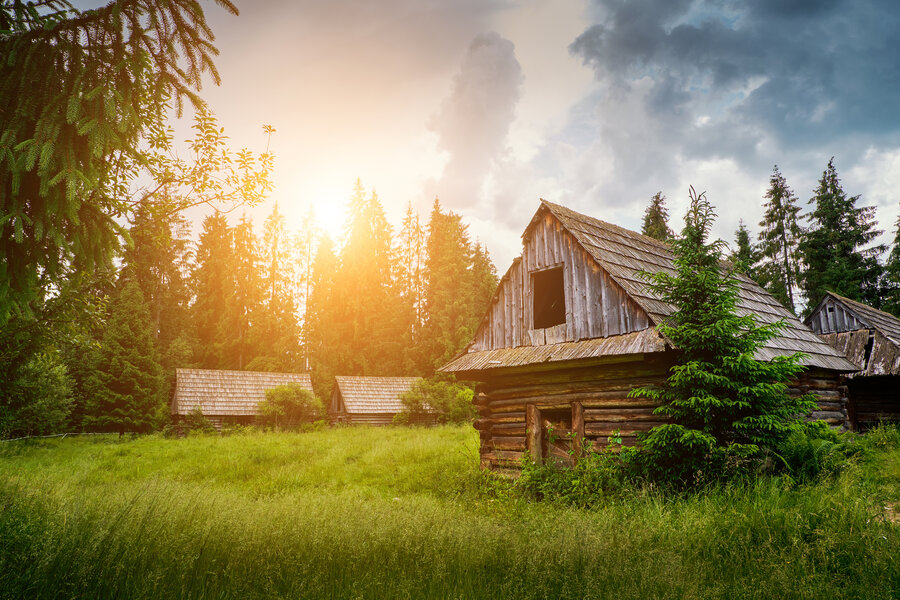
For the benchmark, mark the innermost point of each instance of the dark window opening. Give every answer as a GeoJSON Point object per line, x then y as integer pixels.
{"type": "Point", "coordinates": [549, 298]}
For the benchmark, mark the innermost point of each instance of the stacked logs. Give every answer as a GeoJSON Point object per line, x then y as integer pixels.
{"type": "Point", "coordinates": [601, 411]}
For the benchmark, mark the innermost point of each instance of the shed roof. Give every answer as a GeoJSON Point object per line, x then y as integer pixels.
{"type": "Point", "coordinates": [228, 393]}
{"type": "Point", "coordinates": [624, 254]}
{"type": "Point", "coordinates": [372, 394]}
{"type": "Point", "coordinates": [885, 323]}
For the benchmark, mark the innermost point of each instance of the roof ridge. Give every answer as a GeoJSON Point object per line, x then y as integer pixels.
{"type": "Point", "coordinates": [651, 240]}
{"type": "Point", "coordinates": [862, 304]}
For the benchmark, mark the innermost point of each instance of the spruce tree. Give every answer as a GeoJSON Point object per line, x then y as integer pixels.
{"type": "Point", "coordinates": [778, 239]}
{"type": "Point", "coordinates": [79, 91]}
{"type": "Point", "coordinates": [213, 287]}
{"type": "Point", "coordinates": [833, 250]}
{"type": "Point", "coordinates": [320, 320]}
{"type": "Point", "coordinates": [459, 284]}
{"type": "Point", "coordinates": [725, 405]}
{"type": "Point", "coordinates": [656, 219]}
{"type": "Point", "coordinates": [127, 383]}
{"type": "Point", "coordinates": [891, 282]}
{"type": "Point", "coordinates": [238, 330]}
{"type": "Point", "coordinates": [277, 332]}
{"type": "Point", "coordinates": [745, 254]}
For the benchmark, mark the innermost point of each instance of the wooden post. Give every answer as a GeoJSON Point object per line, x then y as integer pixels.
{"type": "Point", "coordinates": [533, 432]}
{"type": "Point", "coordinates": [577, 429]}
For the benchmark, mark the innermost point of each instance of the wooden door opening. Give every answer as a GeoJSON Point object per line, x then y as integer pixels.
{"type": "Point", "coordinates": [555, 434]}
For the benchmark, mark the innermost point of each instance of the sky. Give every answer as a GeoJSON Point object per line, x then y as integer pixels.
{"type": "Point", "coordinates": [492, 105]}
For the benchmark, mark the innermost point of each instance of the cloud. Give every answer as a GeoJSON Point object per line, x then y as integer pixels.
{"type": "Point", "coordinates": [474, 120]}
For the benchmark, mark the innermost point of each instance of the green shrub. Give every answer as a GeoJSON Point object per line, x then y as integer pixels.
{"type": "Point", "coordinates": [287, 407]}
{"type": "Point", "coordinates": [38, 400]}
{"type": "Point", "coordinates": [434, 400]}
{"type": "Point", "coordinates": [196, 421]}
{"type": "Point", "coordinates": [594, 477]}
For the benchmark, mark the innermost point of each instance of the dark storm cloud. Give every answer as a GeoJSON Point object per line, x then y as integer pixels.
{"type": "Point", "coordinates": [802, 71]}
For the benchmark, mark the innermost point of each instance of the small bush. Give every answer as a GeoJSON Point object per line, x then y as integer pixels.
{"type": "Point", "coordinates": [288, 407]}
{"type": "Point", "coordinates": [195, 421]}
{"type": "Point", "coordinates": [439, 401]}
{"type": "Point", "coordinates": [595, 477]}
{"type": "Point", "coordinates": [816, 451]}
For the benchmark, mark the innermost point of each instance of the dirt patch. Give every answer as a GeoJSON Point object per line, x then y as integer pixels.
{"type": "Point", "coordinates": [892, 512]}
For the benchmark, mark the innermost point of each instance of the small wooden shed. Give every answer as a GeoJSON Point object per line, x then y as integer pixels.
{"type": "Point", "coordinates": [572, 329]}
{"type": "Point", "coordinates": [227, 396]}
{"type": "Point", "coordinates": [367, 400]}
{"type": "Point", "coordinates": [870, 338]}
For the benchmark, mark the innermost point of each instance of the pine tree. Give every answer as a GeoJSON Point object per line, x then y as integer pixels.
{"type": "Point", "coordinates": [277, 332]}
{"type": "Point", "coordinates": [213, 288]}
{"type": "Point", "coordinates": [79, 89]}
{"type": "Point", "coordinates": [320, 320]}
{"type": "Point", "coordinates": [745, 255]}
{"type": "Point", "coordinates": [891, 283]}
{"type": "Point", "coordinates": [238, 331]}
{"type": "Point", "coordinates": [725, 405]}
{"type": "Point", "coordinates": [459, 284]}
{"type": "Point", "coordinates": [833, 250]}
{"type": "Point", "coordinates": [656, 219]}
{"type": "Point", "coordinates": [412, 283]}
{"type": "Point", "coordinates": [157, 259]}
{"type": "Point", "coordinates": [778, 239]}
{"type": "Point", "coordinates": [127, 384]}
{"type": "Point", "coordinates": [369, 332]}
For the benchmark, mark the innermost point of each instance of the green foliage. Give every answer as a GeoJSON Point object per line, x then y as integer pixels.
{"type": "Point", "coordinates": [125, 389]}
{"type": "Point", "coordinates": [725, 405]}
{"type": "Point", "coordinates": [196, 421]}
{"type": "Point", "coordinates": [80, 90]}
{"type": "Point", "coordinates": [834, 252]}
{"type": "Point", "coordinates": [891, 283]}
{"type": "Point", "coordinates": [436, 400]}
{"type": "Point", "coordinates": [594, 479]}
{"type": "Point", "coordinates": [816, 451]}
{"type": "Point", "coordinates": [287, 407]}
{"type": "Point", "coordinates": [38, 401]}
{"type": "Point", "coordinates": [745, 255]}
{"type": "Point", "coordinates": [404, 513]}
{"type": "Point", "coordinates": [460, 281]}
{"type": "Point", "coordinates": [778, 239]}
{"type": "Point", "coordinates": [656, 219]}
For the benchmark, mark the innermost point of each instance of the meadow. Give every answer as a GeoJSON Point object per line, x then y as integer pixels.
{"type": "Point", "coordinates": [406, 513]}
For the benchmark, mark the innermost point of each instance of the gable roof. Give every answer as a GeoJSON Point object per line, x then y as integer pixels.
{"type": "Point", "coordinates": [624, 254]}
{"type": "Point", "coordinates": [372, 394]}
{"type": "Point", "coordinates": [885, 323]}
{"type": "Point", "coordinates": [228, 393]}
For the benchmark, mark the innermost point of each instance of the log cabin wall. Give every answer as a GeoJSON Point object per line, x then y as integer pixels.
{"type": "Point", "coordinates": [595, 306]}
{"type": "Point", "coordinates": [559, 414]}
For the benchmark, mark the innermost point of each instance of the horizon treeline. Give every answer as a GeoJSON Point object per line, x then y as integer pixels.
{"type": "Point", "coordinates": [379, 301]}
{"type": "Point", "coordinates": [798, 257]}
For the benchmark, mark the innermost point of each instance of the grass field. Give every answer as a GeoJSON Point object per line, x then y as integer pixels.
{"type": "Point", "coordinates": [405, 513]}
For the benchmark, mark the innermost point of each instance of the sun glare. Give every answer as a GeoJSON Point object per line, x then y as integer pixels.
{"type": "Point", "coordinates": [329, 210]}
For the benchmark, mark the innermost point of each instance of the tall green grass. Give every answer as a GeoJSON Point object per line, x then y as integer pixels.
{"type": "Point", "coordinates": [405, 513]}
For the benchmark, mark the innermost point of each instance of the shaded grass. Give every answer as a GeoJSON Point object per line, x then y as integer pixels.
{"type": "Point", "coordinates": [405, 513]}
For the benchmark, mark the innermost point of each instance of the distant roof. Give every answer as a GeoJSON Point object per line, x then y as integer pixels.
{"type": "Point", "coordinates": [228, 393]}
{"type": "Point", "coordinates": [372, 394]}
{"type": "Point", "coordinates": [623, 254]}
{"type": "Point", "coordinates": [886, 323]}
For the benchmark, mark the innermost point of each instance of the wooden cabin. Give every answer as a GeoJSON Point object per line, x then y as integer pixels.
{"type": "Point", "coordinates": [227, 396]}
{"type": "Point", "coordinates": [367, 400]}
{"type": "Point", "coordinates": [871, 339]}
{"type": "Point", "coordinates": [572, 329]}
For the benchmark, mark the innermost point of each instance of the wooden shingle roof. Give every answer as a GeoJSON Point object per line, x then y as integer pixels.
{"type": "Point", "coordinates": [624, 254]}
{"type": "Point", "coordinates": [885, 323]}
{"type": "Point", "coordinates": [228, 393]}
{"type": "Point", "coordinates": [372, 394]}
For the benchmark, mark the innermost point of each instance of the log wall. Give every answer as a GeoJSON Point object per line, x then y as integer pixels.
{"type": "Point", "coordinates": [559, 413]}
{"type": "Point", "coordinates": [595, 305]}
